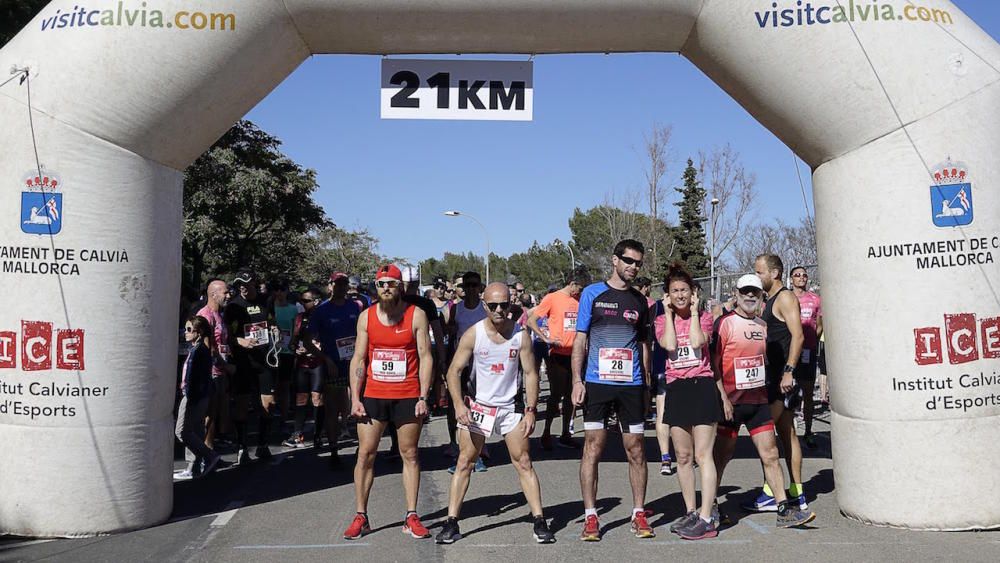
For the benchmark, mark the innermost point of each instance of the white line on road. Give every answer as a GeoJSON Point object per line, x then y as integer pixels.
{"type": "Point", "coordinates": [224, 517]}
{"type": "Point", "coordinates": [23, 543]}
{"type": "Point", "coordinates": [307, 546]}
{"type": "Point", "coordinates": [686, 542]}
{"type": "Point", "coordinates": [759, 528]}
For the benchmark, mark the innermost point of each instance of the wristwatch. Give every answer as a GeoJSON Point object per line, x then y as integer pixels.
{"type": "Point", "coordinates": [789, 369]}
{"type": "Point", "coordinates": [424, 399]}
{"type": "Point", "coordinates": [530, 409]}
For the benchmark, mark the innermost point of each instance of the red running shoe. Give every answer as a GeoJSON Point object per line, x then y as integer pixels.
{"type": "Point", "coordinates": [641, 527]}
{"type": "Point", "coordinates": [413, 527]}
{"type": "Point", "coordinates": [591, 529]}
{"type": "Point", "coordinates": [359, 527]}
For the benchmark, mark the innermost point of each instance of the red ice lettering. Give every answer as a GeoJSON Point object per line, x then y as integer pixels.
{"type": "Point", "coordinates": [928, 345]}
{"type": "Point", "coordinates": [36, 345]}
{"type": "Point", "coordinates": [69, 350]}
{"type": "Point", "coordinates": [8, 350]}
{"type": "Point", "coordinates": [960, 333]}
{"type": "Point", "coordinates": [989, 333]}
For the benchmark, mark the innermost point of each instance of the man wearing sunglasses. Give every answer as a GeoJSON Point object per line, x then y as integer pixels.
{"type": "Point", "coordinates": [462, 315]}
{"type": "Point", "coordinates": [390, 377]}
{"type": "Point", "coordinates": [811, 313]}
{"type": "Point", "coordinates": [611, 372]}
{"type": "Point", "coordinates": [334, 323]}
{"type": "Point", "coordinates": [492, 403]}
{"type": "Point", "coordinates": [739, 346]}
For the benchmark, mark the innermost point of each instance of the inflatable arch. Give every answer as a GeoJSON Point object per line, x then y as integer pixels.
{"type": "Point", "coordinates": [893, 103]}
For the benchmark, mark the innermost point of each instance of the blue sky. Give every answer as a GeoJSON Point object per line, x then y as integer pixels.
{"type": "Point", "coordinates": [521, 179]}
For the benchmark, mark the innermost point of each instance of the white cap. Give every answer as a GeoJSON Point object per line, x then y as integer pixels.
{"type": "Point", "coordinates": [749, 280]}
{"type": "Point", "coordinates": [409, 273]}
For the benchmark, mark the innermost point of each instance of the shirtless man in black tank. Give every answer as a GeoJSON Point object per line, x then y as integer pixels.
{"type": "Point", "coordinates": [784, 346]}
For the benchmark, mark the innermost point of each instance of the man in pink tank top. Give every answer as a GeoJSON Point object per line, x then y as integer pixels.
{"type": "Point", "coordinates": [812, 328]}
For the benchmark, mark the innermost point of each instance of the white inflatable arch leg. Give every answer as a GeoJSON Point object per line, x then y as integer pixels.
{"type": "Point", "coordinates": [125, 97]}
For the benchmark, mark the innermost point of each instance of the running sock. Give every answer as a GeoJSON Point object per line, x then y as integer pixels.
{"type": "Point", "coordinates": [320, 420]}
{"type": "Point", "coordinates": [413, 512]}
{"type": "Point", "coordinates": [783, 507]}
{"type": "Point", "coordinates": [241, 433]}
{"type": "Point", "coordinates": [590, 512]}
{"type": "Point", "coordinates": [795, 490]}
{"type": "Point", "coordinates": [665, 458]}
{"type": "Point", "coordinates": [767, 490]}
{"type": "Point", "coordinates": [263, 428]}
{"type": "Point", "coordinates": [300, 418]}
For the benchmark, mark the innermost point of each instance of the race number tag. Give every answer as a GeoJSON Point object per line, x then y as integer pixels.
{"type": "Point", "coordinates": [569, 322]}
{"type": "Point", "coordinates": [389, 366]}
{"type": "Point", "coordinates": [614, 364]}
{"type": "Point", "coordinates": [749, 372]}
{"type": "Point", "coordinates": [259, 332]}
{"type": "Point", "coordinates": [686, 357]}
{"type": "Point", "coordinates": [806, 356]}
{"type": "Point", "coordinates": [481, 419]}
{"type": "Point", "coordinates": [345, 348]}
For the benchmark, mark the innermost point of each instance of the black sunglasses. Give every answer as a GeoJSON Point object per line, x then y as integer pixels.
{"type": "Point", "coordinates": [504, 305]}
{"type": "Point", "coordinates": [630, 261]}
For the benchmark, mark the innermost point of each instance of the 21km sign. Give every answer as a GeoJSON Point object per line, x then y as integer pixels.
{"type": "Point", "coordinates": [450, 89]}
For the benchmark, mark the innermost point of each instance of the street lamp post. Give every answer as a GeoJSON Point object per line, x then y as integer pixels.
{"type": "Point", "coordinates": [711, 258]}
{"type": "Point", "coordinates": [572, 258]}
{"type": "Point", "coordinates": [455, 213]}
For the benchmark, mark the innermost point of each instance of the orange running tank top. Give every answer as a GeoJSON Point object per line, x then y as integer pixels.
{"type": "Point", "coordinates": [392, 358]}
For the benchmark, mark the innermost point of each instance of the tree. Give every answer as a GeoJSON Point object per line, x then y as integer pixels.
{"type": "Point", "coordinates": [332, 248]}
{"type": "Point", "coordinates": [795, 244]}
{"type": "Point", "coordinates": [247, 205]}
{"type": "Point", "coordinates": [15, 14]}
{"type": "Point", "coordinates": [727, 181]}
{"type": "Point", "coordinates": [540, 265]}
{"type": "Point", "coordinates": [597, 230]}
{"type": "Point", "coordinates": [690, 234]}
{"type": "Point", "coordinates": [451, 264]}
{"type": "Point", "coordinates": [657, 152]}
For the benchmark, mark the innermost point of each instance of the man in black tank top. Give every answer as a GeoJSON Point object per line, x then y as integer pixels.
{"type": "Point", "coordinates": [784, 346]}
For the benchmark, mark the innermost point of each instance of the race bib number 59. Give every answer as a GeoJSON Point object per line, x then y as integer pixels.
{"type": "Point", "coordinates": [615, 364]}
{"type": "Point", "coordinates": [389, 366]}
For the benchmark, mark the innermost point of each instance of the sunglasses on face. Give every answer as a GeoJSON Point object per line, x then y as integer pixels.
{"type": "Point", "coordinates": [189, 329]}
{"type": "Point", "coordinates": [754, 292]}
{"type": "Point", "coordinates": [630, 261]}
{"type": "Point", "coordinates": [504, 305]}
{"type": "Point", "coordinates": [393, 284]}
{"type": "Point", "coordinates": [800, 275]}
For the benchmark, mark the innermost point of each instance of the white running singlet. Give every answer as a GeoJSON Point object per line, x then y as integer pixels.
{"type": "Point", "coordinates": [496, 370]}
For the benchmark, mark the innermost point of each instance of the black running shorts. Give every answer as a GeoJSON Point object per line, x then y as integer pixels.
{"type": "Point", "coordinates": [757, 419]}
{"type": "Point", "coordinates": [629, 401]}
{"type": "Point", "coordinates": [397, 411]}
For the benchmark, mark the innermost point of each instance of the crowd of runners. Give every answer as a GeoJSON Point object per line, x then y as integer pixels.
{"type": "Point", "coordinates": [384, 359]}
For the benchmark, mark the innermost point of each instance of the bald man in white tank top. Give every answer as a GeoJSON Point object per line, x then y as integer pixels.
{"type": "Point", "coordinates": [499, 351]}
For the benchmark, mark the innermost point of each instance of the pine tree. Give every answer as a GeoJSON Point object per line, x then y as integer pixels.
{"type": "Point", "coordinates": [690, 234]}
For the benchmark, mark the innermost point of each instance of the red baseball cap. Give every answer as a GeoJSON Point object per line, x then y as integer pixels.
{"type": "Point", "coordinates": [337, 276]}
{"type": "Point", "coordinates": [389, 271]}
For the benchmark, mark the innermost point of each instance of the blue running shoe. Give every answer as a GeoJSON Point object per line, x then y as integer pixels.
{"type": "Point", "coordinates": [763, 503]}
{"type": "Point", "coordinates": [480, 465]}
{"type": "Point", "coordinates": [801, 500]}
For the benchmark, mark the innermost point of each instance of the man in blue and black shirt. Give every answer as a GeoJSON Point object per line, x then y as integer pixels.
{"type": "Point", "coordinates": [610, 372]}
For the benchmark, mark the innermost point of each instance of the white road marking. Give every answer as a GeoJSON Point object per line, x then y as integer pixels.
{"type": "Point", "coordinates": [224, 517]}
{"type": "Point", "coordinates": [759, 528]}
{"type": "Point", "coordinates": [306, 546]}
{"type": "Point", "coordinates": [24, 543]}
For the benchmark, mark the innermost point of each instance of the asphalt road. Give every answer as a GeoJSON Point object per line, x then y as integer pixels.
{"type": "Point", "coordinates": [295, 509]}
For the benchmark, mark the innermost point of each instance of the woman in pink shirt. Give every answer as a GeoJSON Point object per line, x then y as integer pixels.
{"type": "Point", "coordinates": [692, 399]}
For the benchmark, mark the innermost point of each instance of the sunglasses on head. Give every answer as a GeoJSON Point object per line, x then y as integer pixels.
{"type": "Point", "coordinates": [504, 305]}
{"type": "Point", "coordinates": [630, 261]}
{"type": "Point", "coordinates": [393, 284]}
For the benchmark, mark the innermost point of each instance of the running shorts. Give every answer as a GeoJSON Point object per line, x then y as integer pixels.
{"type": "Point", "coordinates": [757, 419]}
{"type": "Point", "coordinates": [397, 411]}
{"type": "Point", "coordinates": [507, 419]}
{"type": "Point", "coordinates": [629, 401]}
{"type": "Point", "coordinates": [691, 402]}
